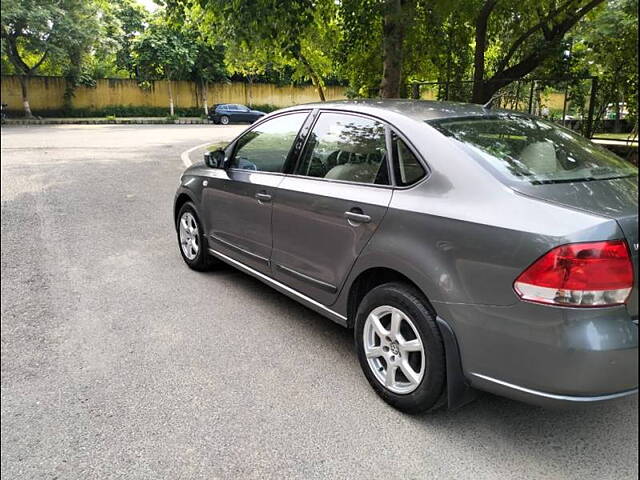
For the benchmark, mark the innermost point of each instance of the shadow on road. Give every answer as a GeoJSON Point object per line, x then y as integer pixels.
{"type": "Point", "coordinates": [545, 433]}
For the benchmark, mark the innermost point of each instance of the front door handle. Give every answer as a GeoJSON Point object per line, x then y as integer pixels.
{"type": "Point", "coordinates": [263, 197]}
{"type": "Point", "coordinates": [354, 217]}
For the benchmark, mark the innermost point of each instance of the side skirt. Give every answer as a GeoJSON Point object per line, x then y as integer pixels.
{"type": "Point", "coordinates": [282, 288]}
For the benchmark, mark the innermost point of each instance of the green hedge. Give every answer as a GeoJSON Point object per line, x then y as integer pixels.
{"type": "Point", "coordinates": [124, 111]}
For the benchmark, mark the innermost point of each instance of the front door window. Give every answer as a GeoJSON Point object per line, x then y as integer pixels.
{"type": "Point", "coordinates": [266, 147]}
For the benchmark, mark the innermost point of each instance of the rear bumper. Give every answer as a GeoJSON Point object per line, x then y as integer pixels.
{"type": "Point", "coordinates": [547, 355]}
{"type": "Point", "coordinates": [546, 399]}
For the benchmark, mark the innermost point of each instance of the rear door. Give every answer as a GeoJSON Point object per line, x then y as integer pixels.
{"type": "Point", "coordinates": [238, 201]}
{"type": "Point", "coordinates": [330, 207]}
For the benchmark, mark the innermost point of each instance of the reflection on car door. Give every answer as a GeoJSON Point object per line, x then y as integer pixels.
{"type": "Point", "coordinates": [238, 201]}
{"type": "Point", "coordinates": [326, 213]}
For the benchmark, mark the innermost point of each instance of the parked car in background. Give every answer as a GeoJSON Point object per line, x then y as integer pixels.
{"type": "Point", "coordinates": [468, 248]}
{"type": "Point", "coordinates": [226, 113]}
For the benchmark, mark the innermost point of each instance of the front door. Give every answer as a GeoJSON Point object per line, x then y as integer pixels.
{"type": "Point", "coordinates": [238, 201]}
{"type": "Point", "coordinates": [329, 209]}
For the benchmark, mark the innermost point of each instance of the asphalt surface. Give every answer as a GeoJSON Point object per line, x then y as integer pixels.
{"type": "Point", "coordinates": [120, 362]}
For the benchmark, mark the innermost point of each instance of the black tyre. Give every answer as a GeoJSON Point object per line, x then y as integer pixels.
{"type": "Point", "coordinates": [224, 120]}
{"type": "Point", "coordinates": [191, 240]}
{"type": "Point", "coordinates": [400, 348]}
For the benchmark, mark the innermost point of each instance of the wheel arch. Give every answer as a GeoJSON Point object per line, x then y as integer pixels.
{"type": "Point", "coordinates": [181, 198]}
{"type": "Point", "coordinates": [371, 278]}
{"type": "Point", "coordinates": [457, 387]}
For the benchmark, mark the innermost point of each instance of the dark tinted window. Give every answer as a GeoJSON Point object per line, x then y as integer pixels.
{"type": "Point", "coordinates": [406, 166]}
{"type": "Point", "coordinates": [346, 147]}
{"type": "Point", "coordinates": [536, 151]}
{"type": "Point", "coordinates": [266, 147]}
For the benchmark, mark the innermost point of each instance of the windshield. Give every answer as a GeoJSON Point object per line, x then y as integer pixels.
{"type": "Point", "coordinates": [532, 150]}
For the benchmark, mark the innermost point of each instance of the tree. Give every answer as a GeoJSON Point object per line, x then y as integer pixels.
{"type": "Point", "coordinates": [527, 33]}
{"type": "Point", "coordinates": [242, 60]}
{"type": "Point", "coordinates": [396, 19]}
{"type": "Point", "coordinates": [131, 19]}
{"type": "Point", "coordinates": [35, 31]}
{"type": "Point", "coordinates": [79, 45]}
{"type": "Point", "coordinates": [164, 51]}
{"type": "Point", "coordinates": [291, 34]}
{"type": "Point", "coordinates": [607, 46]}
{"type": "Point", "coordinates": [208, 66]}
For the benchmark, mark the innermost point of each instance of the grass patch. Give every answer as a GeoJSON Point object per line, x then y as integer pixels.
{"type": "Point", "coordinates": [616, 136]}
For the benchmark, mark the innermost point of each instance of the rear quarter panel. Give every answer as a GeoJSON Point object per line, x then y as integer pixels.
{"type": "Point", "coordinates": [464, 237]}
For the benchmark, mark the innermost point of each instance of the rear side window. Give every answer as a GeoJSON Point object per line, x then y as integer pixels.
{"type": "Point", "coordinates": [407, 168]}
{"type": "Point", "coordinates": [529, 149]}
{"type": "Point", "coordinates": [346, 147]}
{"type": "Point", "coordinates": [266, 147]}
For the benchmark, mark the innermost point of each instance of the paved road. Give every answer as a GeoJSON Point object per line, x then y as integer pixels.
{"type": "Point", "coordinates": [119, 362]}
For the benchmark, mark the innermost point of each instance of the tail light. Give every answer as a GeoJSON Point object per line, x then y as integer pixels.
{"type": "Point", "coordinates": [592, 274]}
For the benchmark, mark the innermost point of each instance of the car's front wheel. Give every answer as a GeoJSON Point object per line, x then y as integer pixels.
{"type": "Point", "coordinates": [193, 245]}
{"type": "Point", "coordinates": [224, 120]}
{"type": "Point", "coordinates": [400, 348]}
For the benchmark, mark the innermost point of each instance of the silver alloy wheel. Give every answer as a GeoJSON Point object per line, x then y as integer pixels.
{"type": "Point", "coordinates": [394, 350]}
{"type": "Point", "coordinates": [189, 241]}
{"type": "Point", "coordinates": [224, 120]}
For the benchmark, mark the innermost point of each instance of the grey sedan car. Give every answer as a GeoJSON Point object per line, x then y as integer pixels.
{"type": "Point", "coordinates": [468, 248]}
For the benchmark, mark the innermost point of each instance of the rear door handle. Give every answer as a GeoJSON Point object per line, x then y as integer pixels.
{"type": "Point", "coordinates": [263, 197]}
{"type": "Point", "coordinates": [357, 217]}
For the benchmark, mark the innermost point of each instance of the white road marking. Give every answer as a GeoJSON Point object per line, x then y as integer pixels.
{"type": "Point", "coordinates": [185, 155]}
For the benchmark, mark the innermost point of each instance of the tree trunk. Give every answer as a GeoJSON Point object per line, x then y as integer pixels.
{"type": "Point", "coordinates": [482, 21]}
{"type": "Point", "coordinates": [552, 34]}
{"type": "Point", "coordinates": [616, 122]}
{"type": "Point", "coordinates": [393, 30]}
{"type": "Point", "coordinates": [315, 78]}
{"type": "Point", "coordinates": [171, 110]}
{"type": "Point", "coordinates": [205, 94]}
{"type": "Point", "coordinates": [250, 91]}
{"type": "Point", "coordinates": [25, 99]}
{"type": "Point", "coordinates": [320, 88]}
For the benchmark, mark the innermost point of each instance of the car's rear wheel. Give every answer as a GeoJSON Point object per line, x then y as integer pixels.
{"type": "Point", "coordinates": [193, 245]}
{"type": "Point", "coordinates": [400, 348]}
{"type": "Point", "coordinates": [224, 120]}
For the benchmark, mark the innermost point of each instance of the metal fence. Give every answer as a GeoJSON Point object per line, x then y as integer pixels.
{"type": "Point", "coordinates": [570, 101]}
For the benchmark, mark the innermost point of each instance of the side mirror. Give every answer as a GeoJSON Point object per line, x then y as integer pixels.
{"type": "Point", "coordinates": [215, 159]}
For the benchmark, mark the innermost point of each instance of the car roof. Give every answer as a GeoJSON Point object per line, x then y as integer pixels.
{"type": "Point", "coordinates": [421, 110]}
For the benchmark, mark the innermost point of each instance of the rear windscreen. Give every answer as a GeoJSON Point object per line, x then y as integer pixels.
{"type": "Point", "coordinates": [533, 150]}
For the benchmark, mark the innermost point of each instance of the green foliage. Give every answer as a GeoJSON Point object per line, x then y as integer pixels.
{"type": "Point", "coordinates": [298, 35]}
{"type": "Point", "coordinates": [56, 31]}
{"type": "Point", "coordinates": [330, 42]}
{"type": "Point", "coordinates": [163, 51]}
